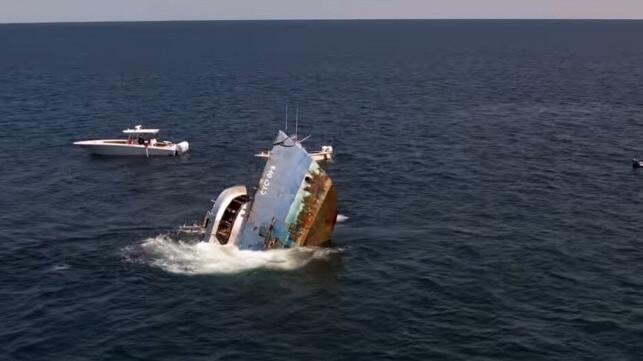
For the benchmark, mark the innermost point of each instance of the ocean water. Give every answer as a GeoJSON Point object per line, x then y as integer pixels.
{"type": "Point", "coordinates": [482, 168]}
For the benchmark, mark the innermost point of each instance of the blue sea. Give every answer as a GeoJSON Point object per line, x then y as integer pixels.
{"type": "Point", "coordinates": [490, 211]}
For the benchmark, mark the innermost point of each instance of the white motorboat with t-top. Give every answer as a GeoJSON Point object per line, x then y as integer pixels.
{"type": "Point", "coordinates": [139, 142]}
{"type": "Point", "coordinates": [637, 163]}
{"type": "Point", "coordinates": [323, 155]}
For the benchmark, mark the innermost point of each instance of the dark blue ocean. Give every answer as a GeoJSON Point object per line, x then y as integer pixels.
{"type": "Point", "coordinates": [484, 167]}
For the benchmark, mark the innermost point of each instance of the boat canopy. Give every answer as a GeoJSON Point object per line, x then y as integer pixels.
{"type": "Point", "coordinates": [139, 130]}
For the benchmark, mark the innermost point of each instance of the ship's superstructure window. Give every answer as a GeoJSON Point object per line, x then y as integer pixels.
{"type": "Point", "coordinates": [228, 218]}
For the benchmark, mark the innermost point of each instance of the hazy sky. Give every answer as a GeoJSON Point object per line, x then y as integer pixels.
{"type": "Point", "coordinates": [120, 10]}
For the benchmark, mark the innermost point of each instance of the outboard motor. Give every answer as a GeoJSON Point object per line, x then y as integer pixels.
{"type": "Point", "coordinates": [182, 147]}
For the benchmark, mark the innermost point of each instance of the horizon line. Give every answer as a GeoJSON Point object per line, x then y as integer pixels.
{"type": "Point", "coordinates": [45, 22]}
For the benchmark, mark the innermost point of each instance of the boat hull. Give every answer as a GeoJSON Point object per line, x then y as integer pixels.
{"type": "Point", "coordinates": [115, 149]}
{"type": "Point", "coordinates": [295, 203]}
{"type": "Point", "coordinates": [316, 156]}
{"type": "Point", "coordinates": [321, 157]}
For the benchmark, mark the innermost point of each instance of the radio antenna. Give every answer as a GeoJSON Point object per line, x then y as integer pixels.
{"type": "Point", "coordinates": [296, 120]}
{"type": "Point", "coordinates": [286, 117]}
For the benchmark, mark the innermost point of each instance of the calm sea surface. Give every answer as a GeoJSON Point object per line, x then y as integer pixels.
{"type": "Point", "coordinates": [484, 167]}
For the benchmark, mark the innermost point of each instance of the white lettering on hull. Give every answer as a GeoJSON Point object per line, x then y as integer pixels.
{"type": "Point", "coordinates": [265, 183]}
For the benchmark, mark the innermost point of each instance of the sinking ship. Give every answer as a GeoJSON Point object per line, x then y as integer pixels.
{"type": "Point", "coordinates": [294, 204]}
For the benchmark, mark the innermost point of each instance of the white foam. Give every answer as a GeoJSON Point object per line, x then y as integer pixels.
{"type": "Point", "coordinates": [180, 257]}
{"type": "Point", "coordinates": [59, 267]}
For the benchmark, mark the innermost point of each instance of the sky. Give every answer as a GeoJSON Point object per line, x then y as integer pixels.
{"type": "Point", "coordinates": [12, 11]}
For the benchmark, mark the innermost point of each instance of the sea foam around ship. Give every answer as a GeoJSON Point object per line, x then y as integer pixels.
{"type": "Point", "coordinates": [193, 258]}
{"type": "Point", "coordinates": [182, 253]}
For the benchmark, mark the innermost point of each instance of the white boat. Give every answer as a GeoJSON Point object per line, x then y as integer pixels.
{"type": "Point", "coordinates": [140, 142]}
{"type": "Point", "coordinates": [637, 163]}
{"type": "Point", "coordinates": [323, 155]}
